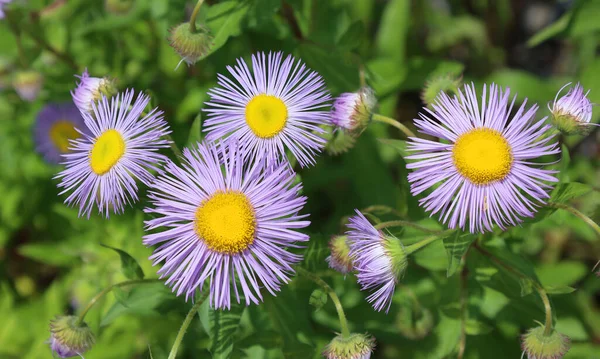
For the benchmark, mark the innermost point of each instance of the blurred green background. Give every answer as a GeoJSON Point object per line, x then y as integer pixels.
{"type": "Point", "coordinates": [51, 261]}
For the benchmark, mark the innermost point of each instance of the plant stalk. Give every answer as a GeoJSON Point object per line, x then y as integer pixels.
{"type": "Point", "coordinates": [400, 223]}
{"type": "Point", "coordinates": [194, 15]}
{"type": "Point", "coordinates": [577, 213]}
{"type": "Point", "coordinates": [185, 325]}
{"type": "Point", "coordinates": [392, 122]}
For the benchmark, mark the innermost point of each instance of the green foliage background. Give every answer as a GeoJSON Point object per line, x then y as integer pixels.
{"type": "Point", "coordinates": [51, 262]}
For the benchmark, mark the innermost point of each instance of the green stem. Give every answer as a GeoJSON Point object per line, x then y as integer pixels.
{"type": "Point", "coordinates": [108, 289]}
{"type": "Point", "coordinates": [185, 325]}
{"type": "Point", "coordinates": [334, 298]}
{"type": "Point", "coordinates": [174, 147]}
{"type": "Point", "coordinates": [574, 211]}
{"type": "Point", "coordinates": [422, 243]}
{"type": "Point", "coordinates": [381, 208]}
{"type": "Point", "coordinates": [400, 223]}
{"type": "Point", "coordinates": [44, 44]}
{"type": "Point", "coordinates": [391, 121]}
{"type": "Point", "coordinates": [194, 15]}
{"type": "Point", "coordinates": [14, 28]}
{"type": "Point", "coordinates": [541, 291]}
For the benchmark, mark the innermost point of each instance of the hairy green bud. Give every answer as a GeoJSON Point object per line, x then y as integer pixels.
{"type": "Point", "coordinates": [355, 346]}
{"type": "Point", "coordinates": [537, 345]}
{"type": "Point", "coordinates": [435, 85]}
{"type": "Point", "coordinates": [190, 46]}
{"type": "Point", "coordinates": [69, 337]}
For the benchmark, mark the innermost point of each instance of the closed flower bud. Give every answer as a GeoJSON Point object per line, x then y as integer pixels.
{"type": "Point", "coordinates": [537, 345]}
{"type": "Point", "coordinates": [572, 113]}
{"type": "Point", "coordinates": [352, 111]}
{"type": "Point", "coordinates": [414, 323]}
{"type": "Point", "coordinates": [69, 337]}
{"type": "Point", "coordinates": [446, 83]}
{"type": "Point", "coordinates": [118, 7]}
{"type": "Point", "coordinates": [339, 142]}
{"type": "Point", "coordinates": [28, 84]}
{"type": "Point", "coordinates": [190, 46]}
{"type": "Point", "coordinates": [355, 346]}
{"type": "Point", "coordinates": [91, 89]}
{"type": "Point", "coordinates": [340, 259]}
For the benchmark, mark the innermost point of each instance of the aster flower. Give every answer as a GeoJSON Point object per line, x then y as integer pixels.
{"type": "Point", "coordinates": [379, 259]}
{"type": "Point", "coordinates": [352, 110]}
{"type": "Point", "coordinates": [90, 90]}
{"type": "Point", "coordinates": [226, 222]}
{"type": "Point", "coordinates": [102, 167]}
{"type": "Point", "coordinates": [274, 107]}
{"type": "Point", "coordinates": [55, 126]}
{"type": "Point", "coordinates": [485, 173]}
{"type": "Point", "coordinates": [69, 337]}
{"type": "Point", "coordinates": [572, 113]}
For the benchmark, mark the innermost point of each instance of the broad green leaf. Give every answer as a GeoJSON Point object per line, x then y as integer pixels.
{"type": "Point", "coordinates": [142, 300]}
{"type": "Point", "coordinates": [393, 30]}
{"type": "Point", "coordinates": [456, 246]}
{"type": "Point", "coordinates": [475, 327]}
{"type": "Point", "coordinates": [564, 273]}
{"type": "Point", "coordinates": [567, 191]}
{"type": "Point", "coordinates": [195, 135]}
{"type": "Point", "coordinates": [221, 326]}
{"type": "Point", "coordinates": [225, 19]}
{"type": "Point", "coordinates": [58, 254]}
{"type": "Point", "coordinates": [399, 145]}
{"type": "Point", "coordinates": [352, 38]}
{"type": "Point", "coordinates": [550, 31]}
{"type": "Point", "coordinates": [130, 267]}
{"type": "Point", "coordinates": [121, 295]}
{"type": "Point", "coordinates": [339, 68]}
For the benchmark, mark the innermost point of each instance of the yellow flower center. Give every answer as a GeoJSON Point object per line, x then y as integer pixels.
{"type": "Point", "coordinates": [482, 155]}
{"type": "Point", "coordinates": [107, 151]}
{"type": "Point", "coordinates": [266, 115]}
{"type": "Point", "coordinates": [61, 132]}
{"type": "Point", "coordinates": [226, 222]}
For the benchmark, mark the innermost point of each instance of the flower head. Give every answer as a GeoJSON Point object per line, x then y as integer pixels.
{"type": "Point", "coordinates": [28, 84]}
{"type": "Point", "coordinates": [352, 110]}
{"type": "Point", "coordinates": [379, 259]}
{"type": "Point", "coordinates": [90, 90]}
{"type": "Point", "coordinates": [226, 222]}
{"type": "Point", "coordinates": [340, 259]}
{"type": "Point", "coordinates": [69, 337]}
{"type": "Point", "coordinates": [538, 345]}
{"type": "Point", "coordinates": [572, 113]}
{"type": "Point", "coordinates": [274, 107]}
{"type": "Point", "coordinates": [485, 169]}
{"type": "Point", "coordinates": [355, 346]}
{"type": "Point", "coordinates": [56, 125]}
{"type": "Point", "coordinates": [102, 167]}
{"type": "Point", "coordinates": [191, 46]}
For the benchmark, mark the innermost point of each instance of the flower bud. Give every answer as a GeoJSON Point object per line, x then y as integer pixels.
{"type": "Point", "coordinates": [537, 345]}
{"type": "Point", "coordinates": [118, 7]}
{"type": "Point", "coordinates": [90, 90]}
{"type": "Point", "coordinates": [446, 83]}
{"type": "Point", "coordinates": [191, 47]}
{"type": "Point", "coordinates": [352, 111]}
{"type": "Point", "coordinates": [572, 113]}
{"type": "Point", "coordinates": [318, 299]}
{"type": "Point", "coordinates": [339, 142]}
{"type": "Point", "coordinates": [355, 346]}
{"type": "Point", "coordinates": [339, 259]}
{"type": "Point", "coordinates": [414, 323]}
{"type": "Point", "coordinates": [69, 337]}
{"type": "Point", "coordinates": [28, 84]}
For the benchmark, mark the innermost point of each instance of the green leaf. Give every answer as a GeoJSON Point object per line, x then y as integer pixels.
{"type": "Point", "coordinates": [456, 246]}
{"type": "Point", "coordinates": [352, 38]}
{"type": "Point", "coordinates": [567, 191]}
{"type": "Point", "coordinates": [290, 318]}
{"type": "Point", "coordinates": [399, 145]}
{"type": "Point", "coordinates": [142, 300]}
{"type": "Point", "coordinates": [224, 20]}
{"type": "Point", "coordinates": [221, 326]}
{"type": "Point", "coordinates": [393, 29]}
{"type": "Point", "coordinates": [195, 135]}
{"type": "Point", "coordinates": [339, 68]}
{"type": "Point", "coordinates": [130, 267]}
{"type": "Point", "coordinates": [561, 274]}
{"type": "Point", "coordinates": [550, 31]}
{"type": "Point", "coordinates": [475, 327]}
{"type": "Point", "coordinates": [562, 289]}
{"type": "Point", "coordinates": [121, 295]}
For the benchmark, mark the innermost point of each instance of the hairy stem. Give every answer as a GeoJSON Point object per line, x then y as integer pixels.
{"type": "Point", "coordinates": [400, 223]}
{"type": "Point", "coordinates": [185, 325]}
{"type": "Point", "coordinates": [463, 313]}
{"type": "Point", "coordinates": [392, 122]}
{"type": "Point", "coordinates": [108, 289]}
{"type": "Point", "coordinates": [574, 211]}
{"type": "Point", "coordinates": [194, 15]}
{"type": "Point", "coordinates": [334, 298]}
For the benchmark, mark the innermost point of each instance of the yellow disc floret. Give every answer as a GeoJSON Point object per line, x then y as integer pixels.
{"type": "Point", "coordinates": [108, 149]}
{"type": "Point", "coordinates": [482, 156]}
{"type": "Point", "coordinates": [266, 115]}
{"type": "Point", "coordinates": [61, 132]}
{"type": "Point", "coordinates": [226, 222]}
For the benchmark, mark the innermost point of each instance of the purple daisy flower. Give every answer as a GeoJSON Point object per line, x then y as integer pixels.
{"type": "Point", "coordinates": [90, 90]}
{"type": "Point", "coordinates": [572, 113]}
{"type": "Point", "coordinates": [274, 107]}
{"type": "Point", "coordinates": [484, 169]}
{"type": "Point", "coordinates": [225, 221]}
{"type": "Point", "coordinates": [352, 111]}
{"type": "Point", "coordinates": [379, 259]}
{"type": "Point", "coordinates": [102, 167]}
{"type": "Point", "coordinates": [55, 126]}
